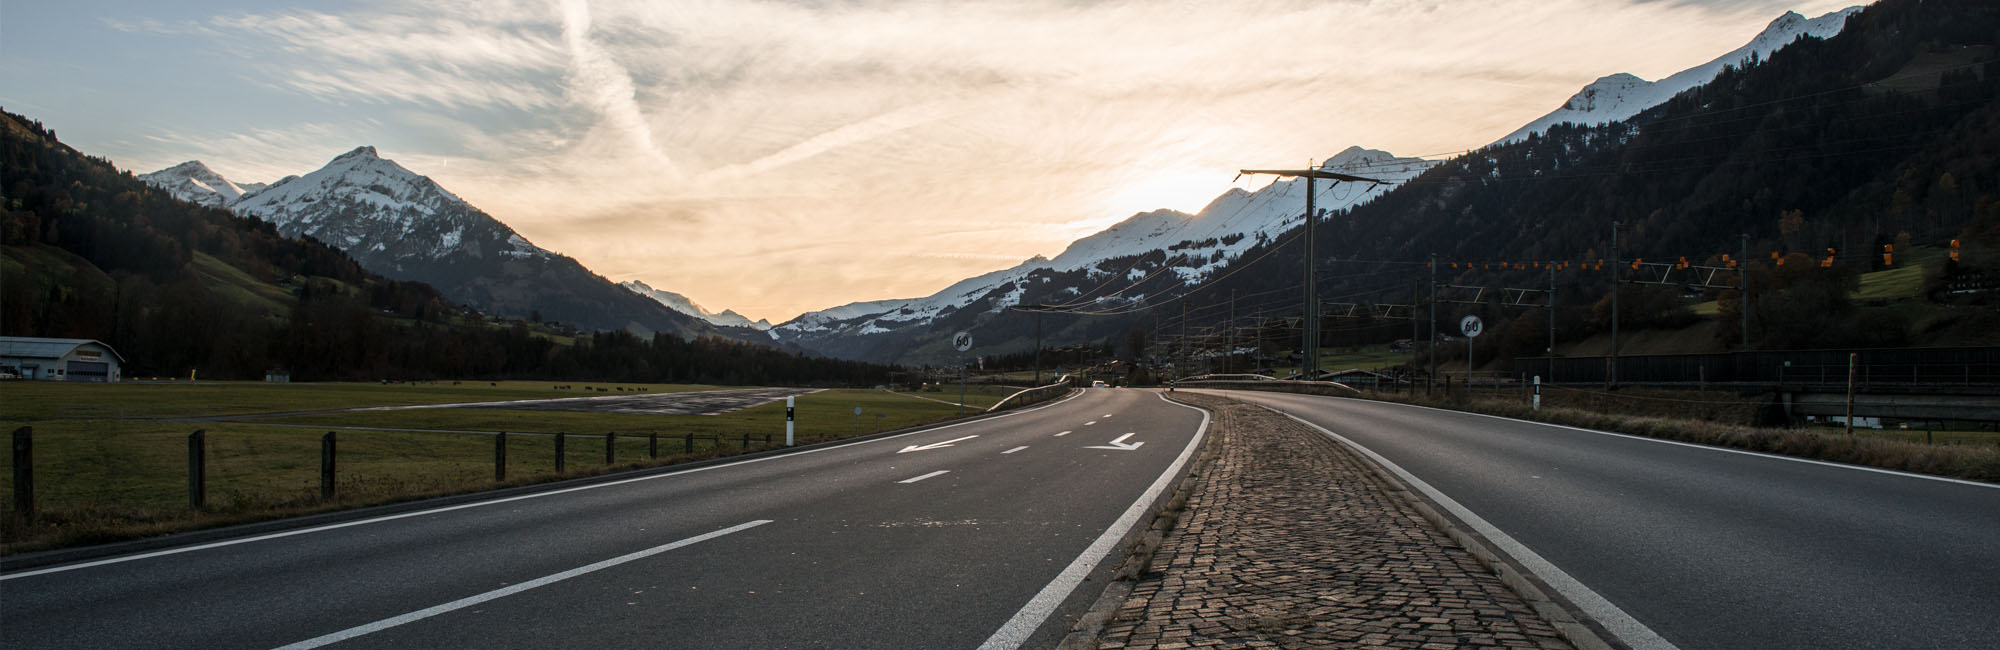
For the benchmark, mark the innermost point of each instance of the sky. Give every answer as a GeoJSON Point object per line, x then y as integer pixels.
{"type": "Point", "coordinates": [777, 157]}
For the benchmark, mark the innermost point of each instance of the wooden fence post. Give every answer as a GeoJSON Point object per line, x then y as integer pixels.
{"type": "Point", "coordinates": [500, 457]}
{"type": "Point", "coordinates": [24, 472]}
{"type": "Point", "coordinates": [559, 452]}
{"type": "Point", "coordinates": [197, 469]}
{"type": "Point", "coordinates": [326, 467]}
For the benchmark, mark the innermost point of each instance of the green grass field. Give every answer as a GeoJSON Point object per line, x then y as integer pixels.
{"type": "Point", "coordinates": [100, 478]}
{"type": "Point", "coordinates": [142, 399]}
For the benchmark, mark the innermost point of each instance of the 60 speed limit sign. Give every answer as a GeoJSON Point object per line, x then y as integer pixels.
{"type": "Point", "coordinates": [1471, 326]}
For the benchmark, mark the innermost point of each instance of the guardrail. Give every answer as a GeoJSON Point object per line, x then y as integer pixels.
{"type": "Point", "coordinates": [1062, 387]}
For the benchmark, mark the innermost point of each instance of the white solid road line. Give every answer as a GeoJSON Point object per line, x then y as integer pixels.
{"type": "Point", "coordinates": [1015, 449]}
{"type": "Point", "coordinates": [537, 495]}
{"type": "Point", "coordinates": [503, 592]}
{"type": "Point", "coordinates": [1619, 623]}
{"type": "Point", "coordinates": [914, 479]}
{"type": "Point", "coordinates": [1016, 631]}
{"type": "Point", "coordinates": [1059, 435]}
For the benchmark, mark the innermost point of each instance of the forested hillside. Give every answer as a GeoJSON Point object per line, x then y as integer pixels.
{"type": "Point", "coordinates": [175, 287]}
{"type": "Point", "coordinates": [1888, 134]}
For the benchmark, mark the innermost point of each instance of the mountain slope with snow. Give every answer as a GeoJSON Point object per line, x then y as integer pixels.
{"type": "Point", "coordinates": [1621, 96]}
{"type": "Point", "coordinates": [1166, 245]}
{"type": "Point", "coordinates": [194, 182]}
{"type": "Point", "coordinates": [680, 303]}
{"type": "Point", "coordinates": [405, 226]}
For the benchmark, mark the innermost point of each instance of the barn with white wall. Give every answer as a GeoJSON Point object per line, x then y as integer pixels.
{"type": "Point", "coordinates": [80, 360]}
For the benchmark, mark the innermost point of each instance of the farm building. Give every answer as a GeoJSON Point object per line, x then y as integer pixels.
{"type": "Point", "coordinates": [82, 360]}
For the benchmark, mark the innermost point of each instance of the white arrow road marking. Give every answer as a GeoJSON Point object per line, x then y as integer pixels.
{"type": "Point", "coordinates": [1059, 435]}
{"type": "Point", "coordinates": [914, 479]}
{"type": "Point", "coordinates": [503, 592]}
{"type": "Point", "coordinates": [1119, 444]}
{"type": "Point", "coordinates": [934, 445]}
{"type": "Point", "coordinates": [1015, 449]}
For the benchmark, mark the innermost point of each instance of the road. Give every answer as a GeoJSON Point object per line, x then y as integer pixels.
{"type": "Point", "coordinates": [1704, 547]}
{"type": "Point", "coordinates": [961, 536]}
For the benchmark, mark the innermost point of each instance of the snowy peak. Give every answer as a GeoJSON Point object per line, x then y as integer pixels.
{"type": "Point", "coordinates": [363, 151]}
{"type": "Point", "coordinates": [1621, 96]}
{"type": "Point", "coordinates": [680, 303]}
{"type": "Point", "coordinates": [194, 182]}
{"type": "Point", "coordinates": [1607, 90]}
{"type": "Point", "coordinates": [383, 214]}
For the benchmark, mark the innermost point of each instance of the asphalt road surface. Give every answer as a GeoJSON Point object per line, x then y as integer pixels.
{"type": "Point", "coordinates": [1704, 547]}
{"type": "Point", "coordinates": [964, 536]}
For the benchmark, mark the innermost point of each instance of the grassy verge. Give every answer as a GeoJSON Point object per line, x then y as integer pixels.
{"type": "Point", "coordinates": [101, 480]}
{"type": "Point", "coordinates": [1971, 455]}
{"type": "Point", "coordinates": [977, 396]}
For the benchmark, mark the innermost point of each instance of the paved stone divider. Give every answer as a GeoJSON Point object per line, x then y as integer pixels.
{"type": "Point", "coordinates": [1287, 540]}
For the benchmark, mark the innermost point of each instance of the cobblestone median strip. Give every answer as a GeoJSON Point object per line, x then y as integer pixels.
{"type": "Point", "coordinates": [1288, 541]}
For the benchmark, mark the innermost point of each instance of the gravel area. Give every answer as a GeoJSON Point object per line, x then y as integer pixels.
{"type": "Point", "coordinates": [1288, 541]}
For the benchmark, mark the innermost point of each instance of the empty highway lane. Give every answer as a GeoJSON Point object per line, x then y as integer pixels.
{"type": "Point", "coordinates": [1705, 547]}
{"type": "Point", "coordinates": [959, 536]}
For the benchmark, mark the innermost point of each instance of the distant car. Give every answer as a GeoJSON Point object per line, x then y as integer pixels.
{"type": "Point", "coordinates": [1099, 384]}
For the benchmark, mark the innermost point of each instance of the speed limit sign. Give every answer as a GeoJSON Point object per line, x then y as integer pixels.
{"type": "Point", "coordinates": [1471, 326]}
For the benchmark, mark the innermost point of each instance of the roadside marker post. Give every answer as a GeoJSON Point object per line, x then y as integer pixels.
{"type": "Point", "coordinates": [197, 469]}
{"type": "Point", "coordinates": [790, 413]}
{"type": "Point", "coordinates": [24, 472]}
{"type": "Point", "coordinates": [500, 457]}
{"type": "Point", "coordinates": [1538, 392]}
{"type": "Point", "coordinates": [326, 467]}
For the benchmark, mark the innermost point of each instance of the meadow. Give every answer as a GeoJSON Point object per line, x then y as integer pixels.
{"type": "Point", "coordinates": [110, 461]}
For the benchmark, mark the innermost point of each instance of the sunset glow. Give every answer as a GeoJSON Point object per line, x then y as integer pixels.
{"type": "Point", "coordinates": [773, 157]}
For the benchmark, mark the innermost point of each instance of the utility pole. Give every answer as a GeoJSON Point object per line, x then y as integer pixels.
{"type": "Point", "coordinates": [1038, 348]}
{"type": "Point", "coordinates": [1180, 369]}
{"type": "Point", "coordinates": [1309, 363]}
{"type": "Point", "coordinates": [1611, 372]}
{"type": "Point", "coordinates": [1743, 290]}
{"type": "Point", "coordinates": [1552, 322]}
{"type": "Point", "coordinates": [1432, 378]}
{"type": "Point", "coordinates": [1229, 360]}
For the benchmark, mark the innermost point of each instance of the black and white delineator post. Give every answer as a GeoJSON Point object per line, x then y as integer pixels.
{"type": "Point", "coordinates": [1538, 392]}
{"type": "Point", "coordinates": [789, 417]}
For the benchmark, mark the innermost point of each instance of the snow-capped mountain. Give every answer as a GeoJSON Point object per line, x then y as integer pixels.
{"type": "Point", "coordinates": [388, 218]}
{"type": "Point", "coordinates": [194, 182]}
{"type": "Point", "coordinates": [1168, 245]}
{"type": "Point", "coordinates": [405, 226]}
{"type": "Point", "coordinates": [680, 303]}
{"type": "Point", "coordinates": [1621, 96]}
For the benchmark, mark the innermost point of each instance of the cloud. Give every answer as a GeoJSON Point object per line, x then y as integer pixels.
{"type": "Point", "coordinates": [772, 156]}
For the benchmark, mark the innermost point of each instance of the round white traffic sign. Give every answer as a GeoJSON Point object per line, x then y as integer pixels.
{"type": "Point", "coordinates": [962, 341]}
{"type": "Point", "coordinates": [1471, 326]}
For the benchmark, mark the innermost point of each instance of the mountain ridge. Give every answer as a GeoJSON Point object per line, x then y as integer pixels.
{"type": "Point", "coordinates": [406, 226]}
